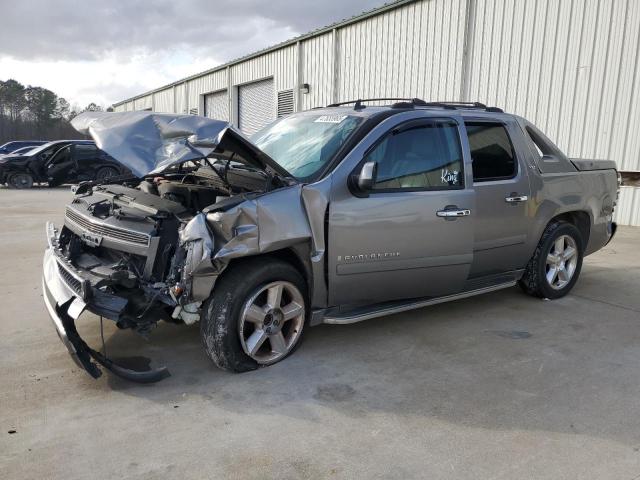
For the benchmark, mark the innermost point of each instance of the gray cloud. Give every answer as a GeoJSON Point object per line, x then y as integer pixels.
{"type": "Point", "coordinates": [223, 29]}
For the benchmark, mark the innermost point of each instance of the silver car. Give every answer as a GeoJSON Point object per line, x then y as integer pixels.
{"type": "Point", "coordinates": [333, 215]}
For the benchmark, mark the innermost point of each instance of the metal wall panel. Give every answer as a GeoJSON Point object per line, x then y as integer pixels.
{"type": "Point", "coordinates": [180, 99]}
{"type": "Point", "coordinates": [256, 105]}
{"type": "Point", "coordinates": [317, 71]}
{"type": "Point", "coordinates": [142, 103]}
{"type": "Point", "coordinates": [628, 209]}
{"type": "Point", "coordinates": [205, 84]}
{"type": "Point", "coordinates": [571, 67]}
{"type": "Point", "coordinates": [216, 105]}
{"type": "Point", "coordinates": [163, 101]}
{"type": "Point", "coordinates": [280, 64]}
{"type": "Point", "coordinates": [412, 51]}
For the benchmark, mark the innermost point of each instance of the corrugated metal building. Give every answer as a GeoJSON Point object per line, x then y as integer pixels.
{"type": "Point", "coordinates": [570, 66]}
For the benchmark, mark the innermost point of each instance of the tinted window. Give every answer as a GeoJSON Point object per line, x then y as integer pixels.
{"type": "Point", "coordinates": [491, 151]}
{"type": "Point", "coordinates": [425, 157]}
{"type": "Point", "coordinates": [86, 150]}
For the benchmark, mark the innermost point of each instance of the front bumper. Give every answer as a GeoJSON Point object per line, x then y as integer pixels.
{"type": "Point", "coordinates": [66, 296]}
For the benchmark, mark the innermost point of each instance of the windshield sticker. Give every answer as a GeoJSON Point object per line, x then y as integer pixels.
{"type": "Point", "coordinates": [330, 118]}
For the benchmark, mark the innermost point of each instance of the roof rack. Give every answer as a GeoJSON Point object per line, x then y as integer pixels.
{"type": "Point", "coordinates": [416, 102]}
{"type": "Point", "coordinates": [359, 103]}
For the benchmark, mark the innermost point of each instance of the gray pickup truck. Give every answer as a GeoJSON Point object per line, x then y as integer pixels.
{"type": "Point", "coordinates": [332, 215]}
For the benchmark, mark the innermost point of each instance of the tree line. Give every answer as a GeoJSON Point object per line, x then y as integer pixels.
{"type": "Point", "coordinates": [36, 113]}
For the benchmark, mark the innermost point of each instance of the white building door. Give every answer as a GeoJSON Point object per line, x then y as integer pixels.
{"type": "Point", "coordinates": [216, 105]}
{"type": "Point", "coordinates": [256, 105]}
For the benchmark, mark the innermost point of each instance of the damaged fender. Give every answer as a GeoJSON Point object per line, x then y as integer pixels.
{"type": "Point", "coordinates": [264, 224]}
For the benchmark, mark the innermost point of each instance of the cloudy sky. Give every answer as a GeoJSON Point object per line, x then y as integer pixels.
{"type": "Point", "coordinates": [104, 51]}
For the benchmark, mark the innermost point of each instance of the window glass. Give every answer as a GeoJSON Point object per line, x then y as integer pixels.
{"type": "Point", "coordinates": [305, 144]}
{"type": "Point", "coordinates": [491, 151]}
{"type": "Point", "coordinates": [425, 157]}
{"type": "Point", "coordinates": [86, 150]}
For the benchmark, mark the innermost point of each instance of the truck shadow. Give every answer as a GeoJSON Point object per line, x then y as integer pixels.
{"type": "Point", "coordinates": [498, 361]}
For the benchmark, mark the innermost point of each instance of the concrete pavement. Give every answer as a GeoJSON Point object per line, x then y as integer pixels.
{"type": "Point", "coordinates": [497, 386]}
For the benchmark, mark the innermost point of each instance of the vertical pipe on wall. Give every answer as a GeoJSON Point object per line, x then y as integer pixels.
{"type": "Point", "coordinates": [186, 97]}
{"type": "Point", "coordinates": [298, 81]}
{"type": "Point", "coordinates": [467, 51]}
{"type": "Point", "coordinates": [175, 100]}
{"type": "Point", "coordinates": [335, 74]}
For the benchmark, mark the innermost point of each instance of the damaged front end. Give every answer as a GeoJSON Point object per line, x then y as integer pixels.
{"type": "Point", "coordinates": [67, 293]}
{"type": "Point", "coordinates": [152, 249]}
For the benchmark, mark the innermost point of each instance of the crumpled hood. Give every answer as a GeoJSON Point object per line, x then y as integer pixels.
{"type": "Point", "coordinates": [148, 143]}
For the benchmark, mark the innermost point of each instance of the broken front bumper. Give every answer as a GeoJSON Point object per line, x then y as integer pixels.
{"type": "Point", "coordinates": [66, 295]}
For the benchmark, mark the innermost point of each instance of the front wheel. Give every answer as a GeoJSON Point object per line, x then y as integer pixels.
{"type": "Point", "coordinates": [255, 316]}
{"type": "Point", "coordinates": [556, 263]}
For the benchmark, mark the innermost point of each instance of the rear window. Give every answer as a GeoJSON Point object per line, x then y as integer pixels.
{"type": "Point", "coordinates": [492, 153]}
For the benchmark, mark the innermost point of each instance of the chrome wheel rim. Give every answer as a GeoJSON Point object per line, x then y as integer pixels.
{"type": "Point", "coordinates": [271, 322]}
{"type": "Point", "coordinates": [562, 261]}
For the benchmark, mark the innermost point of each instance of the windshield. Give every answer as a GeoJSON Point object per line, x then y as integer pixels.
{"type": "Point", "coordinates": [305, 144]}
{"type": "Point", "coordinates": [40, 148]}
{"type": "Point", "coordinates": [22, 150]}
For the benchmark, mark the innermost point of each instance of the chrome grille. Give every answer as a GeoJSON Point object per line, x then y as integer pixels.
{"type": "Point", "coordinates": [70, 280]}
{"type": "Point", "coordinates": [106, 230]}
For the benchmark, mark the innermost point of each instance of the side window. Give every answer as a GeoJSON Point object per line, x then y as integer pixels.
{"type": "Point", "coordinates": [425, 157]}
{"type": "Point", "coordinates": [86, 151]}
{"type": "Point", "coordinates": [492, 154]}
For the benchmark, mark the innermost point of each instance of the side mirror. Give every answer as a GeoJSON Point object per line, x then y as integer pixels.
{"type": "Point", "coordinates": [367, 176]}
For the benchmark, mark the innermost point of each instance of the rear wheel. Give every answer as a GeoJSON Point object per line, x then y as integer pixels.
{"type": "Point", "coordinates": [555, 266]}
{"type": "Point", "coordinates": [105, 173]}
{"type": "Point", "coordinates": [255, 316]}
{"type": "Point", "coordinates": [20, 180]}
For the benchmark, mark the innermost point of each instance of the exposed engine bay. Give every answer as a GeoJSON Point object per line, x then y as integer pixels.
{"type": "Point", "coordinates": [129, 244]}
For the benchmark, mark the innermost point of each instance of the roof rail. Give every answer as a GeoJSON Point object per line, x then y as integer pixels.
{"type": "Point", "coordinates": [416, 102]}
{"type": "Point", "coordinates": [466, 105]}
{"type": "Point", "coordinates": [359, 103]}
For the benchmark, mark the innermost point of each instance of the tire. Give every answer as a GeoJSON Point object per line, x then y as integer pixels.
{"type": "Point", "coordinates": [243, 309]}
{"type": "Point", "coordinates": [105, 173]}
{"type": "Point", "coordinates": [553, 271]}
{"type": "Point", "coordinates": [20, 181]}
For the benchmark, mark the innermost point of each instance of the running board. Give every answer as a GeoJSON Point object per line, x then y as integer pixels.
{"type": "Point", "coordinates": [398, 308]}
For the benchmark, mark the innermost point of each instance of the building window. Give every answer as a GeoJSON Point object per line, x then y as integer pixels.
{"type": "Point", "coordinates": [491, 151]}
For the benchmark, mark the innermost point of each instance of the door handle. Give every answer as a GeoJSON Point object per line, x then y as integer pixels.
{"type": "Point", "coordinates": [516, 198]}
{"type": "Point", "coordinates": [453, 213]}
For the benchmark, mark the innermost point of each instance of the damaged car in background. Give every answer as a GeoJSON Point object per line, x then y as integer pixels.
{"type": "Point", "coordinates": [333, 215]}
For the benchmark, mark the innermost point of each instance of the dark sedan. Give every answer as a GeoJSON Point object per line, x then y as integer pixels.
{"type": "Point", "coordinates": [55, 163]}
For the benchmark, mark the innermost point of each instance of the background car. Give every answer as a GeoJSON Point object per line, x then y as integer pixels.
{"type": "Point", "coordinates": [55, 163]}
{"type": "Point", "coordinates": [10, 147]}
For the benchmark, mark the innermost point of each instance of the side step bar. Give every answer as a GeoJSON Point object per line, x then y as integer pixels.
{"type": "Point", "coordinates": [355, 316]}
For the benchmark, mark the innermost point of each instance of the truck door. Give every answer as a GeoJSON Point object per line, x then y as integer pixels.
{"type": "Point", "coordinates": [501, 183]}
{"type": "Point", "coordinates": [411, 236]}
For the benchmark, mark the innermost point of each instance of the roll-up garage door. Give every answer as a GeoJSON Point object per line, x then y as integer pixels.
{"type": "Point", "coordinates": [216, 105]}
{"type": "Point", "coordinates": [256, 105]}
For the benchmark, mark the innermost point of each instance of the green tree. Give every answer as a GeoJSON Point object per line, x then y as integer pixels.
{"type": "Point", "coordinates": [12, 99]}
{"type": "Point", "coordinates": [92, 107]}
{"type": "Point", "coordinates": [63, 109]}
{"type": "Point", "coordinates": [41, 104]}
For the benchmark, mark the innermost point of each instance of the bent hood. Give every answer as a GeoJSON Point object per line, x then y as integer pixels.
{"type": "Point", "coordinates": [148, 143]}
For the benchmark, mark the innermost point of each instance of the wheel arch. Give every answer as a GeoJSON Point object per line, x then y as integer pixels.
{"type": "Point", "coordinates": [296, 255]}
{"type": "Point", "coordinates": [578, 218]}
